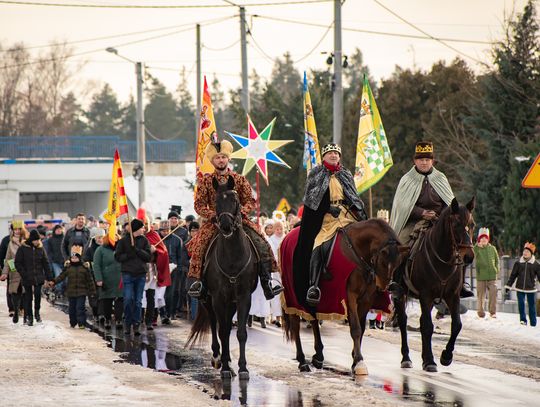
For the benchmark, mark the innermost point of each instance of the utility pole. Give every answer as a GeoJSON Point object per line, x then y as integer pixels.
{"type": "Point", "coordinates": [199, 93]}
{"type": "Point", "coordinates": [338, 85]}
{"type": "Point", "coordinates": [141, 148]}
{"type": "Point", "coordinates": [245, 84]}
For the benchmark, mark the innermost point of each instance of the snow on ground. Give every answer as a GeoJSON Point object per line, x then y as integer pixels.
{"type": "Point", "coordinates": [164, 191]}
{"type": "Point", "coordinates": [51, 364]}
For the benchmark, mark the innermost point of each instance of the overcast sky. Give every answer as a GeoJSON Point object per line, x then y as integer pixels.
{"type": "Point", "coordinates": [478, 20]}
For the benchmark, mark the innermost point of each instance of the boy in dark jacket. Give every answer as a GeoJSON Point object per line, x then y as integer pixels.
{"type": "Point", "coordinates": [32, 264]}
{"type": "Point", "coordinates": [80, 284]}
{"type": "Point", "coordinates": [525, 273]}
{"type": "Point", "coordinates": [133, 259]}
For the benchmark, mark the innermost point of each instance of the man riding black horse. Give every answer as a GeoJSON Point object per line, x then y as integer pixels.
{"type": "Point", "coordinates": [330, 202]}
{"type": "Point", "coordinates": [421, 195]}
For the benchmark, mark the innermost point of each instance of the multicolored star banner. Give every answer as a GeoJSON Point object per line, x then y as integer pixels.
{"type": "Point", "coordinates": [207, 131]}
{"type": "Point", "coordinates": [257, 149]}
{"type": "Point", "coordinates": [312, 153]}
{"type": "Point", "coordinates": [373, 157]}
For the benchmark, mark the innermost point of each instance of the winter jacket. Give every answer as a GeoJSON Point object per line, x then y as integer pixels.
{"type": "Point", "coordinates": [53, 247]}
{"type": "Point", "coordinates": [32, 264]}
{"type": "Point", "coordinates": [3, 250]}
{"type": "Point", "coordinates": [133, 258]}
{"type": "Point", "coordinates": [107, 270]}
{"type": "Point", "coordinates": [90, 250]}
{"type": "Point", "coordinates": [524, 273]}
{"type": "Point", "coordinates": [487, 262]}
{"type": "Point", "coordinates": [74, 235]}
{"type": "Point", "coordinates": [14, 278]}
{"type": "Point", "coordinates": [174, 246]}
{"type": "Point", "coordinates": [182, 233]}
{"type": "Point", "coordinates": [80, 280]}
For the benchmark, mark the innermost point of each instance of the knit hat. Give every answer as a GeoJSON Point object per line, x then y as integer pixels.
{"type": "Point", "coordinates": [96, 232]}
{"type": "Point", "coordinates": [330, 147]}
{"type": "Point", "coordinates": [530, 247]}
{"type": "Point", "coordinates": [190, 218]}
{"type": "Point", "coordinates": [224, 147]}
{"type": "Point", "coordinates": [34, 235]}
{"type": "Point", "coordinates": [136, 224]}
{"type": "Point", "coordinates": [173, 214]}
{"type": "Point", "coordinates": [423, 149]}
{"type": "Point", "coordinates": [483, 232]}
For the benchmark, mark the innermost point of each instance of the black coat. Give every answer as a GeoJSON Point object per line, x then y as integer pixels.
{"type": "Point", "coordinates": [525, 275]}
{"type": "Point", "coordinates": [174, 246]}
{"type": "Point", "coordinates": [32, 264]}
{"type": "Point", "coordinates": [90, 250]}
{"type": "Point", "coordinates": [53, 246]}
{"type": "Point", "coordinates": [133, 258]}
{"type": "Point", "coordinates": [3, 250]}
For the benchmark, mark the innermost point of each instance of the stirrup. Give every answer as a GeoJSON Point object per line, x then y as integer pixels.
{"type": "Point", "coordinates": [313, 296]}
{"type": "Point", "coordinates": [195, 291]}
{"type": "Point", "coordinates": [464, 293]}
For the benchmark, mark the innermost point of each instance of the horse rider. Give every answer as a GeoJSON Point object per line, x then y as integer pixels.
{"type": "Point", "coordinates": [422, 194]}
{"type": "Point", "coordinates": [218, 154]}
{"type": "Point", "coordinates": [330, 202]}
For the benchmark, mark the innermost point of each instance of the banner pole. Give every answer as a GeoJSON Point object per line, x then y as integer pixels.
{"type": "Point", "coordinates": [370, 204]}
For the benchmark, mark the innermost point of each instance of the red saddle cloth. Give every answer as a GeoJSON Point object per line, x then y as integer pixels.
{"type": "Point", "coordinates": [333, 292]}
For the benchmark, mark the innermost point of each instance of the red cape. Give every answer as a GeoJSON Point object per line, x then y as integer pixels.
{"type": "Point", "coordinates": [162, 259]}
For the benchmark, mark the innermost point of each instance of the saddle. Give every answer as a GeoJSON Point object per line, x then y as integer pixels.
{"type": "Point", "coordinates": [211, 244]}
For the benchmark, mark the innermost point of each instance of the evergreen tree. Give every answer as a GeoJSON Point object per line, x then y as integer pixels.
{"type": "Point", "coordinates": [104, 115]}
{"type": "Point", "coordinates": [128, 124]}
{"type": "Point", "coordinates": [187, 127]}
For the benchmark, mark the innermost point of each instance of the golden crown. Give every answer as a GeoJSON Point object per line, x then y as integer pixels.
{"type": "Point", "coordinates": [424, 149]}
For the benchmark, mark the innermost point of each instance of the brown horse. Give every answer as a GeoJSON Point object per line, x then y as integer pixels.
{"type": "Point", "coordinates": [435, 274]}
{"type": "Point", "coordinates": [373, 247]}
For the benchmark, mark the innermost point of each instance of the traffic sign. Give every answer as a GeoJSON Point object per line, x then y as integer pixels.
{"type": "Point", "coordinates": [532, 179]}
{"type": "Point", "coordinates": [283, 206]}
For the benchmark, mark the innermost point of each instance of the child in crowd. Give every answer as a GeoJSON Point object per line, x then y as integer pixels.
{"type": "Point", "coordinates": [79, 285]}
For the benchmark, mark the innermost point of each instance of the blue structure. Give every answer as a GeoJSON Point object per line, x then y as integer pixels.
{"type": "Point", "coordinates": [89, 148]}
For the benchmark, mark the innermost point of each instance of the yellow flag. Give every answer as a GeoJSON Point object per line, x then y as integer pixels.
{"type": "Point", "coordinates": [312, 153]}
{"type": "Point", "coordinates": [373, 157]}
{"type": "Point", "coordinates": [207, 131]}
{"type": "Point", "coordinates": [117, 198]}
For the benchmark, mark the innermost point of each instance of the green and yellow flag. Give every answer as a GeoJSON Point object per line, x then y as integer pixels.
{"type": "Point", "coordinates": [373, 157]}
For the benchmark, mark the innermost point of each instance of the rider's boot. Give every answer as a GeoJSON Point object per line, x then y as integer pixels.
{"type": "Point", "coordinates": [265, 276]}
{"type": "Point", "coordinates": [316, 265]}
{"type": "Point", "coordinates": [465, 293]}
{"type": "Point", "coordinates": [396, 285]}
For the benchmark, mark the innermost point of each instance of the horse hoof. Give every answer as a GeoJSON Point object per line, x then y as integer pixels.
{"type": "Point", "coordinates": [216, 362]}
{"type": "Point", "coordinates": [243, 375]}
{"type": "Point", "coordinates": [406, 364]}
{"type": "Point", "coordinates": [430, 368]}
{"type": "Point", "coordinates": [318, 364]}
{"type": "Point", "coordinates": [360, 369]}
{"type": "Point", "coordinates": [304, 368]}
{"type": "Point", "coordinates": [446, 358]}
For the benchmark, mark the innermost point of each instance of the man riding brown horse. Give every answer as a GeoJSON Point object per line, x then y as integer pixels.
{"type": "Point", "coordinates": [330, 202]}
{"type": "Point", "coordinates": [205, 206]}
{"type": "Point", "coordinates": [421, 195]}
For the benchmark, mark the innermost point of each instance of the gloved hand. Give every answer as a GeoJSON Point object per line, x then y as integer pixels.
{"type": "Point", "coordinates": [334, 211]}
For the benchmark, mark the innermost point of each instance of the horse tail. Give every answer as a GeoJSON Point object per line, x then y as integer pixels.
{"type": "Point", "coordinates": [291, 326]}
{"type": "Point", "coordinates": [200, 327]}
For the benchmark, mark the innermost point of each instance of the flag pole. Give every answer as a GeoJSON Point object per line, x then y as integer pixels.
{"type": "Point", "coordinates": [168, 234]}
{"type": "Point", "coordinates": [370, 204]}
{"type": "Point", "coordinates": [130, 231]}
{"type": "Point", "coordinates": [258, 197]}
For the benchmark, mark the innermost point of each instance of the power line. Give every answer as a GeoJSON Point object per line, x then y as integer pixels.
{"type": "Point", "coordinates": [120, 35]}
{"type": "Point", "coordinates": [164, 6]}
{"type": "Point", "coordinates": [440, 40]}
{"type": "Point", "coordinates": [316, 45]}
{"type": "Point", "coordinates": [114, 46]}
{"type": "Point", "coordinates": [420, 37]}
{"type": "Point", "coordinates": [221, 49]}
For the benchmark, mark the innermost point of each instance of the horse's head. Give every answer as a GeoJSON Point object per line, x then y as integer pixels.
{"type": "Point", "coordinates": [386, 260]}
{"type": "Point", "coordinates": [462, 226]}
{"type": "Point", "coordinates": [227, 207]}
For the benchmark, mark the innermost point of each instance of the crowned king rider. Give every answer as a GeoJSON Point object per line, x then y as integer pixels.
{"type": "Point", "coordinates": [218, 153]}
{"type": "Point", "coordinates": [330, 202]}
{"type": "Point", "coordinates": [422, 193]}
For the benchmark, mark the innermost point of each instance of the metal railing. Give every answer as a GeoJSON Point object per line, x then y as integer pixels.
{"type": "Point", "coordinates": [89, 148]}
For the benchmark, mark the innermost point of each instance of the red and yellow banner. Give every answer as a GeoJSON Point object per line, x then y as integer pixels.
{"type": "Point", "coordinates": [117, 205]}
{"type": "Point", "coordinates": [207, 131]}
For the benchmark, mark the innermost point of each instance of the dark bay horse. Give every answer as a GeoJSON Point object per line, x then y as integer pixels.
{"type": "Point", "coordinates": [373, 247]}
{"type": "Point", "coordinates": [230, 275]}
{"type": "Point", "coordinates": [436, 274]}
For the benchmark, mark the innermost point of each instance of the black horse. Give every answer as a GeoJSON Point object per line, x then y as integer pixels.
{"type": "Point", "coordinates": [435, 274]}
{"type": "Point", "coordinates": [230, 275]}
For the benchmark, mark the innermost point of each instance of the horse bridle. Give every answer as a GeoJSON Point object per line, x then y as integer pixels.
{"type": "Point", "coordinates": [234, 218]}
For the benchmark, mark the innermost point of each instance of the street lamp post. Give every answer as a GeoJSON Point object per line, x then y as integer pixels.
{"type": "Point", "coordinates": [139, 171]}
